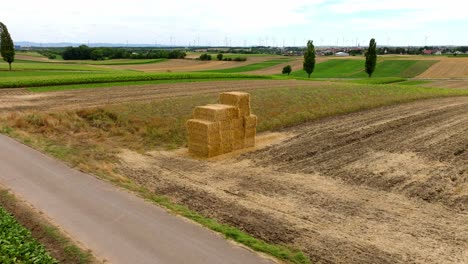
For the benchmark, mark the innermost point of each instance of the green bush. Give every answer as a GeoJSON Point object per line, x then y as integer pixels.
{"type": "Point", "coordinates": [205, 56]}
{"type": "Point", "coordinates": [287, 69]}
{"type": "Point", "coordinates": [240, 59]}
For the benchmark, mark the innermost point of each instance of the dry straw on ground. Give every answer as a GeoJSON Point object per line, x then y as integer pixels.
{"type": "Point", "coordinates": [221, 128]}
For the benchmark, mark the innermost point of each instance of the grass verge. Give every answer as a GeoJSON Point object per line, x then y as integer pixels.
{"type": "Point", "coordinates": [60, 247]}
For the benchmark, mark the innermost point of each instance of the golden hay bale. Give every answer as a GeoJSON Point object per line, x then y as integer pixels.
{"type": "Point", "coordinates": [215, 112]}
{"type": "Point", "coordinates": [202, 126]}
{"type": "Point", "coordinates": [238, 144]}
{"type": "Point", "coordinates": [204, 138]}
{"type": "Point", "coordinates": [238, 99]}
{"type": "Point", "coordinates": [249, 142]}
{"type": "Point", "coordinates": [238, 134]}
{"type": "Point", "coordinates": [250, 132]}
{"type": "Point", "coordinates": [203, 150]}
{"type": "Point", "coordinates": [226, 147]}
{"type": "Point", "coordinates": [250, 121]}
{"type": "Point", "coordinates": [225, 125]}
{"type": "Point", "coordinates": [210, 139]}
{"type": "Point", "coordinates": [237, 124]}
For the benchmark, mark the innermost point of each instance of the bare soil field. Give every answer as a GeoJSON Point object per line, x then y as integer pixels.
{"type": "Point", "coordinates": [447, 68]}
{"type": "Point", "coordinates": [452, 84]}
{"type": "Point", "coordinates": [188, 65]}
{"type": "Point", "coordinates": [32, 58]}
{"type": "Point", "coordinates": [22, 99]}
{"type": "Point", "coordinates": [388, 185]}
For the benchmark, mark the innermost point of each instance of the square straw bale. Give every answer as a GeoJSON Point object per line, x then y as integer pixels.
{"type": "Point", "coordinates": [249, 142]}
{"type": "Point", "coordinates": [215, 112]}
{"type": "Point", "coordinates": [238, 99]}
{"type": "Point", "coordinates": [198, 126]}
{"type": "Point", "coordinates": [250, 121]}
{"type": "Point", "coordinates": [237, 124]}
{"type": "Point", "coordinates": [238, 144]}
{"type": "Point", "coordinates": [225, 125]}
{"type": "Point", "coordinates": [203, 150]}
{"type": "Point", "coordinates": [250, 132]}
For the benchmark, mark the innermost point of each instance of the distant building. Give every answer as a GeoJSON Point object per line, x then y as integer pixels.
{"type": "Point", "coordinates": [342, 54]}
{"type": "Point", "coordinates": [427, 52]}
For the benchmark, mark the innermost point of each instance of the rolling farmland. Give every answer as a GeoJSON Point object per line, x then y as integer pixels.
{"type": "Point", "coordinates": [345, 166]}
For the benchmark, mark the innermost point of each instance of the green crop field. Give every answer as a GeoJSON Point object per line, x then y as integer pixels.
{"type": "Point", "coordinates": [254, 66]}
{"type": "Point", "coordinates": [355, 69]}
{"type": "Point", "coordinates": [52, 80]}
{"type": "Point", "coordinates": [130, 83]}
{"type": "Point", "coordinates": [116, 61]}
{"type": "Point", "coordinates": [17, 245]}
{"type": "Point", "coordinates": [46, 66]}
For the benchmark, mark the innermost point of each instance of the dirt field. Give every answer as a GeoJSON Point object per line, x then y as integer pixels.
{"type": "Point", "coordinates": [452, 84]}
{"type": "Point", "coordinates": [188, 65]}
{"type": "Point", "coordinates": [447, 68]}
{"type": "Point", "coordinates": [388, 185]}
{"type": "Point", "coordinates": [22, 99]}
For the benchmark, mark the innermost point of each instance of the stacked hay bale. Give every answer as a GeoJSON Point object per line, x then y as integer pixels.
{"type": "Point", "coordinates": [221, 128]}
{"type": "Point", "coordinates": [247, 133]}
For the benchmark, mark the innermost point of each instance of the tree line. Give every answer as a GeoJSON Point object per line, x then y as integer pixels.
{"type": "Point", "coordinates": [84, 52]}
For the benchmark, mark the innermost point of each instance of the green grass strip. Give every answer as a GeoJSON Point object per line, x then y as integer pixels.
{"type": "Point", "coordinates": [38, 81]}
{"type": "Point", "coordinates": [120, 84]}
{"type": "Point", "coordinates": [354, 68]}
{"type": "Point", "coordinates": [253, 67]}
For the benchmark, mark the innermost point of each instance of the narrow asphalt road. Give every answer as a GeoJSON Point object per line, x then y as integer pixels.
{"type": "Point", "coordinates": [115, 224]}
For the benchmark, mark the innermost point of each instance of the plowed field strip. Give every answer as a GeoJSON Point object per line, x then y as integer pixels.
{"type": "Point", "coordinates": [11, 101]}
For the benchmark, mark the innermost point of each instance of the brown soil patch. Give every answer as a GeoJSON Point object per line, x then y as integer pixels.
{"type": "Point", "coordinates": [187, 65]}
{"type": "Point", "coordinates": [447, 68]}
{"type": "Point", "coordinates": [451, 84]}
{"type": "Point", "coordinates": [32, 58]}
{"type": "Point", "coordinates": [387, 185]}
{"type": "Point", "coordinates": [21, 99]}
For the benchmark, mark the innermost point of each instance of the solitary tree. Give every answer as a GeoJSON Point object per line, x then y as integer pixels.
{"type": "Point", "coordinates": [219, 56]}
{"type": "Point", "coordinates": [7, 48]}
{"type": "Point", "coordinates": [309, 58]}
{"type": "Point", "coordinates": [287, 69]}
{"type": "Point", "coordinates": [371, 57]}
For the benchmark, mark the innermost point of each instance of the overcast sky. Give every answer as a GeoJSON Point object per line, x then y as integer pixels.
{"type": "Point", "coordinates": [238, 23]}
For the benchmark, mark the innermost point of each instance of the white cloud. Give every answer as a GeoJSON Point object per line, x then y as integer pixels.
{"type": "Point", "coordinates": [147, 21]}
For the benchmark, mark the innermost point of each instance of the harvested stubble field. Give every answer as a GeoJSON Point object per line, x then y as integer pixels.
{"type": "Point", "coordinates": [447, 68]}
{"type": "Point", "coordinates": [452, 84]}
{"type": "Point", "coordinates": [187, 65]}
{"type": "Point", "coordinates": [381, 186]}
{"type": "Point", "coordinates": [22, 99]}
